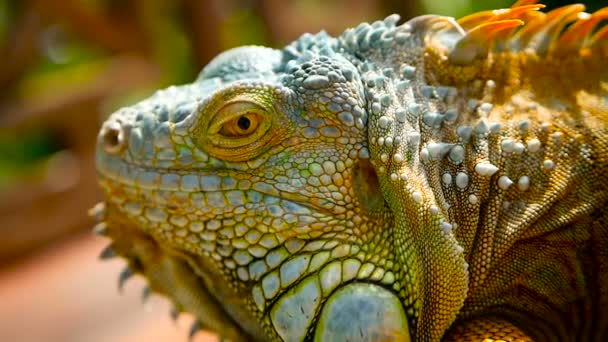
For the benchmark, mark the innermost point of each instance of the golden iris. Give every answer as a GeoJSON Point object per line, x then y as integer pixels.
{"type": "Point", "coordinates": [241, 126]}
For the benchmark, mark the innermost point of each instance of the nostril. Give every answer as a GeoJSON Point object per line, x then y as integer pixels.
{"type": "Point", "coordinates": [113, 138]}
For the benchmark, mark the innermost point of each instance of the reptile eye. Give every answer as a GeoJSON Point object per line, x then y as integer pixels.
{"type": "Point", "coordinates": [241, 126]}
{"type": "Point", "coordinates": [240, 129]}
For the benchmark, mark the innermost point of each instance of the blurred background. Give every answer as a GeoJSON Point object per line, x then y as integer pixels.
{"type": "Point", "coordinates": [64, 66]}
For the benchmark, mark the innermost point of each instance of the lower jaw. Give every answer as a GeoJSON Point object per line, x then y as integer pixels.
{"type": "Point", "coordinates": [169, 273]}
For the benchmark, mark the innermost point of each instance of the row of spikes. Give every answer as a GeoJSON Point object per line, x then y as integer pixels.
{"type": "Point", "coordinates": [101, 229]}
{"type": "Point", "coordinates": [543, 32]}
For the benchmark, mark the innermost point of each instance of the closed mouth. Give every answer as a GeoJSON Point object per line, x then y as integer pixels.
{"type": "Point", "coordinates": [134, 180]}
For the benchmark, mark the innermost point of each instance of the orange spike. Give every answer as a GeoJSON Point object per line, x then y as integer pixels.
{"type": "Point", "coordinates": [532, 16]}
{"type": "Point", "coordinates": [576, 36]}
{"type": "Point", "coordinates": [518, 12]}
{"type": "Point", "coordinates": [526, 13]}
{"type": "Point", "coordinates": [475, 19]}
{"type": "Point", "coordinates": [600, 37]}
{"type": "Point", "coordinates": [485, 32]}
{"type": "Point", "coordinates": [478, 40]}
{"type": "Point", "coordinates": [471, 21]}
{"type": "Point", "coordinates": [523, 3]}
{"type": "Point", "coordinates": [555, 16]}
{"type": "Point", "coordinates": [550, 24]}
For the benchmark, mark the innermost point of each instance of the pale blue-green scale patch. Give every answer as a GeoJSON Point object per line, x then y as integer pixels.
{"type": "Point", "coordinates": [365, 271]}
{"type": "Point", "coordinates": [148, 178]}
{"type": "Point", "coordinates": [275, 210]}
{"type": "Point", "coordinates": [133, 208]}
{"type": "Point", "coordinates": [257, 269]}
{"type": "Point", "coordinates": [362, 312]}
{"type": "Point", "coordinates": [252, 236]}
{"type": "Point", "coordinates": [170, 181]}
{"type": "Point", "coordinates": [258, 298]}
{"type": "Point", "coordinates": [257, 251]}
{"type": "Point", "coordinates": [315, 169]}
{"type": "Point", "coordinates": [216, 199]}
{"type": "Point", "coordinates": [294, 311]}
{"type": "Point", "coordinates": [184, 156]}
{"type": "Point", "coordinates": [190, 183]}
{"type": "Point", "coordinates": [210, 183]}
{"type": "Point", "coordinates": [275, 257]}
{"type": "Point", "coordinates": [269, 241]}
{"type": "Point", "coordinates": [166, 154]}
{"type": "Point", "coordinates": [270, 285]}
{"type": "Point", "coordinates": [331, 132]}
{"type": "Point", "coordinates": [228, 183]}
{"type": "Point", "coordinates": [318, 260]}
{"type": "Point", "coordinates": [350, 268]}
{"type": "Point", "coordinates": [254, 197]}
{"type": "Point", "coordinates": [330, 276]}
{"type": "Point", "coordinates": [334, 107]}
{"type": "Point", "coordinates": [242, 257]}
{"type": "Point", "coordinates": [294, 245]}
{"type": "Point", "coordinates": [235, 198]}
{"type": "Point", "coordinates": [155, 215]}
{"type": "Point", "coordinates": [293, 269]}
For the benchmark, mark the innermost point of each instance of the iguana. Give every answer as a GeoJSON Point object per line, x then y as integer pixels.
{"type": "Point", "coordinates": [435, 180]}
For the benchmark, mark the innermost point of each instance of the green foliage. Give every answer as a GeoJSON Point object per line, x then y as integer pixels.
{"type": "Point", "coordinates": [20, 152]}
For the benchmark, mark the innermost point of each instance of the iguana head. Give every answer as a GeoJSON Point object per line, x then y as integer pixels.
{"type": "Point", "coordinates": [248, 197]}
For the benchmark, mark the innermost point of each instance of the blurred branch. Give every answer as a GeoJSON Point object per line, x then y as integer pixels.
{"type": "Point", "coordinates": [203, 21]}
{"type": "Point", "coordinates": [20, 51]}
{"type": "Point", "coordinates": [270, 12]}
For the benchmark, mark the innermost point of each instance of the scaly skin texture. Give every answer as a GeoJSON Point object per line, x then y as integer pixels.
{"type": "Point", "coordinates": [425, 181]}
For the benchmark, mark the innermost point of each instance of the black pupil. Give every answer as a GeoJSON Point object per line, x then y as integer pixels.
{"type": "Point", "coordinates": [244, 123]}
